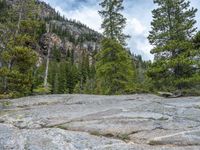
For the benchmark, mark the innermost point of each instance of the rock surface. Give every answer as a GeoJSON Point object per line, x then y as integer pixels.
{"type": "Point", "coordinates": [88, 122]}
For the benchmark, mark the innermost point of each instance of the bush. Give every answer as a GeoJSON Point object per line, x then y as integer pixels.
{"type": "Point", "coordinates": [5, 96]}
{"type": "Point", "coordinates": [191, 92]}
{"type": "Point", "coordinates": [41, 90]}
{"type": "Point", "coordinates": [137, 88]}
{"type": "Point", "coordinates": [11, 95]}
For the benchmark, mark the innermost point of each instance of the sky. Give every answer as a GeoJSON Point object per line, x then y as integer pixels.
{"type": "Point", "coordinates": [137, 12]}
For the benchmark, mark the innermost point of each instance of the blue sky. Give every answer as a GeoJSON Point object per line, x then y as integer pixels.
{"type": "Point", "coordinates": [137, 12]}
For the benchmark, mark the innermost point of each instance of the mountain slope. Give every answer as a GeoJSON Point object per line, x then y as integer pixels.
{"type": "Point", "coordinates": [69, 34]}
{"type": "Point", "coordinates": [40, 48]}
{"type": "Point", "coordinates": [42, 52]}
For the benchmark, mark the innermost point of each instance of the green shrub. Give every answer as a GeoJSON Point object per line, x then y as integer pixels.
{"type": "Point", "coordinates": [191, 92]}
{"type": "Point", "coordinates": [10, 95]}
{"type": "Point", "coordinates": [41, 90]}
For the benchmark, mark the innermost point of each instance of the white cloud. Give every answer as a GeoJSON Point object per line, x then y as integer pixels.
{"type": "Point", "coordinates": [145, 49]}
{"type": "Point", "coordinates": [85, 15]}
{"type": "Point", "coordinates": [138, 43]}
{"type": "Point", "coordinates": [135, 26]}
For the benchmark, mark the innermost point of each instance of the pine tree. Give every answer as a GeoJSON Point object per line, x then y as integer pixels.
{"type": "Point", "coordinates": [196, 41]}
{"type": "Point", "coordinates": [83, 67]}
{"type": "Point", "coordinates": [114, 68]}
{"type": "Point", "coordinates": [26, 11]}
{"type": "Point", "coordinates": [62, 77]}
{"type": "Point", "coordinates": [113, 21]}
{"type": "Point", "coordinates": [172, 29]}
{"type": "Point", "coordinates": [56, 53]}
{"type": "Point", "coordinates": [53, 77]}
{"type": "Point", "coordinates": [17, 55]}
{"type": "Point", "coordinates": [17, 70]}
{"type": "Point", "coordinates": [72, 77]}
{"type": "Point", "coordinates": [3, 12]}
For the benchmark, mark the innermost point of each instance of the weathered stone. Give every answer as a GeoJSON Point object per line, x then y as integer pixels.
{"type": "Point", "coordinates": [88, 122]}
{"type": "Point", "coordinates": [10, 138]}
{"type": "Point", "coordinates": [181, 139]}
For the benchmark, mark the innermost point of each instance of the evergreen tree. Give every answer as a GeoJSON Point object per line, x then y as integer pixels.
{"type": "Point", "coordinates": [63, 77]}
{"type": "Point", "coordinates": [113, 21]}
{"type": "Point", "coordinates": [23, 12]}
{"type": "Point", "coordinates": [72, 77]}
{"type": "Point", "coordinates": [17, 70]}
{"type": "Point", "coordinates": [4, 11]}
{"type": "Point", "coordinates": [17, 55]}
{"type": "Point", "coordinates": [56, 53]}
{"type": "Point", "coordinates": [114, 68]}
{"type": "Point", "coordinates": [196, 41]}
{"type": "Point", "coordinates": [53, 77]}
{"type": "Point", "coordinates": [172, 29]}
{"type": "Point", "coordinates": [83, 69]}
{"type": "Point", "coordinates": [62, 86]}
{"type": "Point", "coordinates": [72, 56]}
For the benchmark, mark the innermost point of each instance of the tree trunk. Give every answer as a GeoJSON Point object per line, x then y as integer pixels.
{"type": "Point", "coordinates": [47, 69]}
{"type": "Point", "coordinates": [19, 20]}
{"type": "Point", "coordinates": [47, 63]}
{"type": "Point", "coordinates": [5, 84]}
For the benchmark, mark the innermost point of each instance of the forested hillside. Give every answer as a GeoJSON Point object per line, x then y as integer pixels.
{"type": "Point", "coordinates": [42, 52]}
{"type": "Point", "coordinates": [69, 46]}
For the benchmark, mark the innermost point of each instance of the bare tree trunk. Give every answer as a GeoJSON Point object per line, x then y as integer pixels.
{"type": "Point", "coordinates": [47, 69]}
{"type": "Point", "coordinates": [47, 62]}
{"type": "Point", "coordinates": [20, 18]}
{"type": "Point", "coordinates": [5, 79]}
{"type": "Point", "coordinates": [5, 84]}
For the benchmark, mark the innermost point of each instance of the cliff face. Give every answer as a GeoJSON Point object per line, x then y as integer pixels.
{"type": "Point", "coordinates": [64, 34]}
{"type": "Point", "coordinates": [69, 35]}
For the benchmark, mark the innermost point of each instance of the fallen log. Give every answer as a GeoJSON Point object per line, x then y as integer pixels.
{"type": "Point", "coordinates": [170, 95]}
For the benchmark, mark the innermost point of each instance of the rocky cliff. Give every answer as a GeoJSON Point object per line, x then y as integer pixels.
{"type": "Point", "coordinates": [64, 34]}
